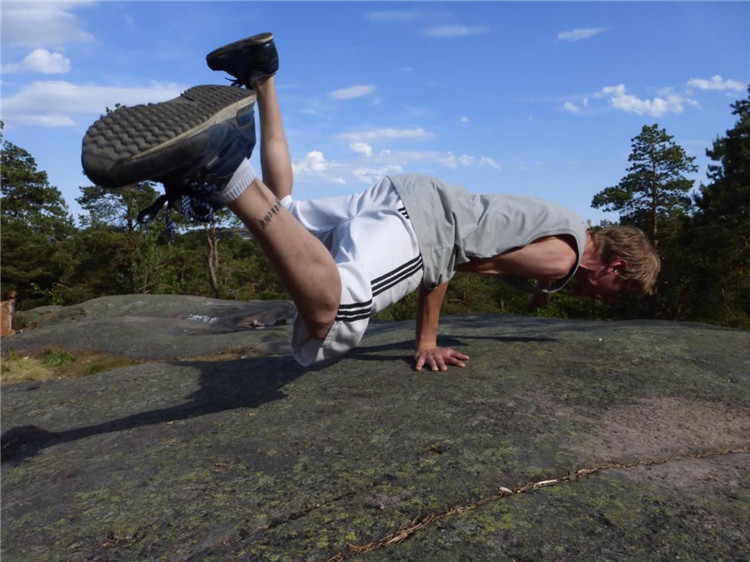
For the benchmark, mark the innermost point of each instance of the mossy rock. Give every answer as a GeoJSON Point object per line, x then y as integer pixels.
{"type": "Point", "coordinates": [560, 440]}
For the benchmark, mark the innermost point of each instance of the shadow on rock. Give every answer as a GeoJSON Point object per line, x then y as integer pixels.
{"type": "Point", "coordinates": [511, 339]}
{"type": "Point", "coordinates": [225, 385]}
{"type": "Point", "coordinates": [375, 352]}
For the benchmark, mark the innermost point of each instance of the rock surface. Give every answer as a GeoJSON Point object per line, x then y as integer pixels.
{"type": "Point", "coordinates": [157, 327]}
{"type": "Point", "coordinates": [560, 440]}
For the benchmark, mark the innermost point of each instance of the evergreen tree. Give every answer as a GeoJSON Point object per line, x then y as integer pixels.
{"type": "Point", "coordinates": [117, 208]}
{"type": "Point", "coordinates": [35, 222]}
{"type": "Point", "coordinates": [654, 192]}
{"type": "Point", "coordinates": [28, 198]}
{"type": "Point", "coordinates": [144, 261]}
{"type": "Point", "coordinates": [719, 234]}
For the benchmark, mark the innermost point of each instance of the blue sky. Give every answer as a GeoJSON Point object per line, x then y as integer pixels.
{"type": "Point", "coordinates": [541, 98]}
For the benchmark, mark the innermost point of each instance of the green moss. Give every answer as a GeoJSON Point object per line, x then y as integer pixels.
{"type": "Point", "coordinates": [55, 364]}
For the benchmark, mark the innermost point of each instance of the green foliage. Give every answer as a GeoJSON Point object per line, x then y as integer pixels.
{"type": "Point", "coordinates": [654, 196]}
{"type": "Point", "coordinates": [57, 358]}
{"type": "Point", "coordinates": [28, 198]}
{"type": "Point", "coordinates": [116, 208]}
{"type": "Point", "coordinates": [705, 256]}
{"type": "Point", "coordinates": [34, 223]}
{"type": "Point", "coordinates": [101, 264]}
{"type": "Point", "coordinates": [718, 236]}
{"type": "Point", "coordinates": [654, 192]}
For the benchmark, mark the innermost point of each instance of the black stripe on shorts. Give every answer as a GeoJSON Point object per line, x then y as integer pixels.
{"type": "Point", "coordinates": [385, 282]}
{"type": "Point", "coordinates": [361, 310]}
{"type": "Point", "coordinates": [355, 311]}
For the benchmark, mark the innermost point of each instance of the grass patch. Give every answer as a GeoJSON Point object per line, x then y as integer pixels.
{"type": "Point", "coordinates": [57, 364]}
{"type": "Point", "coordinates": [58, 358]}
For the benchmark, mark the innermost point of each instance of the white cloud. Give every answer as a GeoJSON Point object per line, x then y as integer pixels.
{"type": "Point", "coordinates": [42, 24]}
{"type": "Point", "coordinates": [571, 107]}
{"type": "Point", "coordinates": [716, 83]}
{"type": "Point", "coordinates": [49, 121]}
{"type": "Point", "coordinates": [455, 31]}
{"type": "Point", "coordinates": [453, 161]}
{"type": "Point", "coordinates": [54, 103]}
{"type": "Point", "coordinates": [392, 16]}
{"type": "Point", "coordinates": [361, 148]}
{"type": "Point", "coordinates": [313, 162]}
{"type": "Point", "coordinates": [487, 161]}
{"type": "Point", "coordinates": [391, 133]}
{"type": "Point", "coordinates": [371, 175]}
{"type": "Point", "coordinates": [620, 99]}
{"type": "Point", "coordinates": [315, 169]}
{"type": "Point", "coordinates": [352, 92]}
{"type": "Point", "coordinates": [580, 34]}
{"type": "Point", "coordinates": [464, 119]}
{"type": "Point", "coordinates": [41, 60]}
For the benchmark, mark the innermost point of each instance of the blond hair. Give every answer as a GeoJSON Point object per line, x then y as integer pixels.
{"type": "Point", "coordinates": [631, 245]}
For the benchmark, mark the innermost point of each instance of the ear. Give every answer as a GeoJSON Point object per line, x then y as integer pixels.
{"type": "Point", "coordinates": [617, 266]}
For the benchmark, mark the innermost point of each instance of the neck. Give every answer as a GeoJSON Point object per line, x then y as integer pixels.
{"type": "Point", "coordinates": [590, 260]}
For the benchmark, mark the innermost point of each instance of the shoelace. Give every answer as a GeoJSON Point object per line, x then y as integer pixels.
{"type": "Point", "coordinates": [235, 82]}
{"type": "Point", "coordinates": [194, 198]}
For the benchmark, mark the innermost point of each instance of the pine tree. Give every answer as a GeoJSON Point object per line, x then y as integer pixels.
{"type": "Point", "coordinates": [655, 191]}
{"type": "Point", "coordinates": [117, 208]}
{"type": "Point", "coordinates": [29, 199]}
{"type": "Point", "coordinates": [35, 222]}
{"type": "Point", "coordinates": [719, 234]}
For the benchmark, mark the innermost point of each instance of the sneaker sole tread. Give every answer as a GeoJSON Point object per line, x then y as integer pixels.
{"type": "Point", "coordinates": [241, 44]}
{"type": "Point", "coordinates": [131, 144]}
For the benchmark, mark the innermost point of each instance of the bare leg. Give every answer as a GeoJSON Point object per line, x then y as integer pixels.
{"type": "Point", "coordinates": [303, 263]}
{"type": "Point", "coordinates": [276, 164]}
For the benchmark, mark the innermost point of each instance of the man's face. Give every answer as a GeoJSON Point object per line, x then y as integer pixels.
{"type": "Point", "coordinates": [604, 283]}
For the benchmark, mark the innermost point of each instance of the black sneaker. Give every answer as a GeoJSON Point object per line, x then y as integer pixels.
{"type": "Point", "coordinates": [247, 60]}
{"type": "Point", "coordinates": [192, 144]}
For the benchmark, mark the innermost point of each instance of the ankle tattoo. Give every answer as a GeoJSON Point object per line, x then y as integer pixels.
{"type": "Point", "coordinates": [269, 215]}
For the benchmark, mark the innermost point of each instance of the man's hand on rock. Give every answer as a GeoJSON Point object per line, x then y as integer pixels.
{"type": "Point", "coordinates": [438, 358]}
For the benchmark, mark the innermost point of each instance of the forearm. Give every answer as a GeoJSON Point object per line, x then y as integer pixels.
{"type": "Point", "coordinates": [428, 315]}
{"type": "Point", "coordinates": [427, 353]}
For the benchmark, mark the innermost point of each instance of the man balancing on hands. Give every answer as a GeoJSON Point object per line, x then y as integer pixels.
{"type": "Point", "coordinates": [343, 259]}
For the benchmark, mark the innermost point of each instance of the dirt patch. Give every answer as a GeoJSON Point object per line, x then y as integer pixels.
{"type": "Point", "coordinates": [718, 471]}
{"type": "Point", "coordinates": [671, 432]}
{"type": "Point", "coordinates": [659, 427]}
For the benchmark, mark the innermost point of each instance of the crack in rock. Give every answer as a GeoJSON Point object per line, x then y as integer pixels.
{"type": "Point", "coordinates": [419, 523]}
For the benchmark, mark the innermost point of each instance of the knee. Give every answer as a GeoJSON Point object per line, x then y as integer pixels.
{"type": "Point", "coordinates": [318, 319]}
{"type": "Point", "coordinates": [318, 327]}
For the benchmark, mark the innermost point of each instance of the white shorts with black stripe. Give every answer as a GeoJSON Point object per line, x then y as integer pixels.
{"type": "Point", "coordinates": [375, 249]}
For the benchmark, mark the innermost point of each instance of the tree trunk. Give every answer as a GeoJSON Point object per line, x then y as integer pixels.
{"type": "Point", "coordinates": [654, 203]}
{"type": "Point", "coordinates": [213, 258]}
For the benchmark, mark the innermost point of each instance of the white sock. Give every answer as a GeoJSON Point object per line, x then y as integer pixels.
{"type": "Point", "coordinates": [241, 179]}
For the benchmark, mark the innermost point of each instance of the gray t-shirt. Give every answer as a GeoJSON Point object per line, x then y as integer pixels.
{"type": "Point", "coordinates": [454, 226]}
